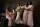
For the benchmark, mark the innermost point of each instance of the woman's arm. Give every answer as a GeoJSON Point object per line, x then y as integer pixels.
{"type": "Point", "coordinates": [22, 7]}
{"type": "Point", "coordinates": [31, 8]}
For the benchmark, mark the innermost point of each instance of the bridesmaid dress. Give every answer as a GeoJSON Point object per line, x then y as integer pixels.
{"type": "Point", "coordinates": [9, 16]}
{"type": "Point", "coordinates": [25, 15]}
{"type": "Point", "coordinates": [30, 16]}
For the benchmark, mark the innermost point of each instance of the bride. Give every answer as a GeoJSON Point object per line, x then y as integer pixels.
{"type": "Point", "coordinates": [18, 18]}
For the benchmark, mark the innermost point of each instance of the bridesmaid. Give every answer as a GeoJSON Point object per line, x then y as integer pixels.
{"type": "Point", "coordinates": [25, 14]}
{"type": "Point", "coordinates": [9, 16]}
{"type": "Point", "coordinates": [30, 14]}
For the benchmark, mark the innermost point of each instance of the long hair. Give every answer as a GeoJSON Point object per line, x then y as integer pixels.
{"type": "Point", "coordinates": [30, 2]}
{"type": "Point", "coordinates": [27, 4]}
{"type": "Point", "coordinates": [9, 9]}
